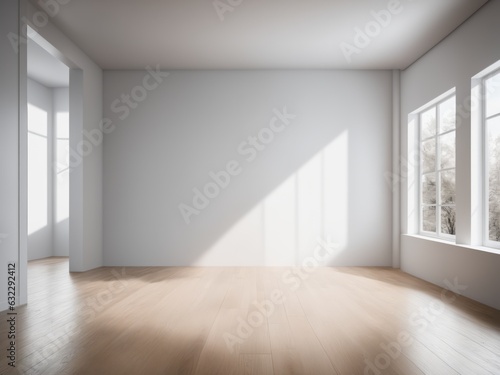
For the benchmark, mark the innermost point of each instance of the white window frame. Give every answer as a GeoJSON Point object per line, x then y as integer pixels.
{"type": "Point", "coordinates": [485, 170]}
{"type": "Point", "coordinates": [418, 115]}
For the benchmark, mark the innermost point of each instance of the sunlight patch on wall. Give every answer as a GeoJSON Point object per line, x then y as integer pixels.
{"type": "Point", "coordinates": [336, 190]}
{"type": "Point", "coordinates": [285, 228]}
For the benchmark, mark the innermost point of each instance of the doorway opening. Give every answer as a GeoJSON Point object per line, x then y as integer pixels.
{"type": "Point", "coordinates": [48, 172]}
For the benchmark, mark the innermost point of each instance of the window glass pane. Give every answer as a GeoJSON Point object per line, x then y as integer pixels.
{"type": "Point", "coordinates": [448, 187]}
{"type": "Point", "coordinates": [429, 156]}
{"type": "Point", "coordinates": [62, 155]}
{"type": "Point", "coordinates": [493, 95]}
{"type": "Point", "coordinates": [494, 223]}
{"type": "Point", "coordinates": [62, 125]}
{"type": "Point", "coordinates": [428, 123]}
{"type": "Point", "coordinates": [37, 120]}
{"type": "Point", "coordinates": [62, 179]}
{"type": "Point", "coordinates": [447, 115]}
{"type": "Point", "coordinates": [493, 134]}
{"type": "Point", "coordinates": [429, 188]}
{"type": "Point", "coordinates": [429, 219]}
{"type": "Point", "coordinates": [448, 220]}
{"type": "Point", "coordinates": [447, 144]}
{"type": "Point", "coordinates": [38, 193]}
{"type": "Point", "coordinates": [62, 196]}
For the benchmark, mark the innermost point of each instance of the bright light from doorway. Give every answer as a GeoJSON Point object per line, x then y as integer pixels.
{"type": "Point", "coordinates": [62, 166]}
{"type": "Point", "coordinates": [37, 169]}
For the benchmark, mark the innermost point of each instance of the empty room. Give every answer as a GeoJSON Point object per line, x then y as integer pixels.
{"type": "Point", "coordinates": [250, 187]}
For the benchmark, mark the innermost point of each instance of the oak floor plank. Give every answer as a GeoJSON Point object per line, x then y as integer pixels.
{"type": "Point", "coordinates": [256, 364]}
{"type": "Point", "coordinates": [223, 320]}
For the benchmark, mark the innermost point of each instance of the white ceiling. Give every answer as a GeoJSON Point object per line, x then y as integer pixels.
{"type": "Point", "coordinates": [45, 68]}
{"type": "Point", "coordinates": [282, 34]}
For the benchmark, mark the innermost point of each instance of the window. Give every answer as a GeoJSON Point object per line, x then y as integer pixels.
{"type": "Point", "coordinates": [437, 168]}
{"type": "Point", "coordinates": [491, 126]}
{"type": "Point", "coordinates": [38, 154]}
{"type": "Point", "coordinates": [62, 166]}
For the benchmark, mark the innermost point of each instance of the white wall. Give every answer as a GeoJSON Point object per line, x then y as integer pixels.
{"type": "Point", "coordinates": [61, 227]}
{"type": "Point", "coordinates": [321, 176]}
{"type": "Point", "coordinates": [86, 229]}
{"type": "Point", "coordinates": [436, 262]}
{"type": "Point", "coordinates": [9, 104]}
{"type": "Point", "coordinates": [40, 243]}
{"type": "Point", "coordinates": [86, 176]}
{"type": "Point", "coordinates": [452, 63]}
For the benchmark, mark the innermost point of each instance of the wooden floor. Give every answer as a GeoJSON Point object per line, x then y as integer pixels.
{"type": "Point", "coordinates": [171, 320]}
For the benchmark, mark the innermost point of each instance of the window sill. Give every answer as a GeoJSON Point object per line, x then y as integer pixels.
{"type": "Point", "coordinates": [484, 249]}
